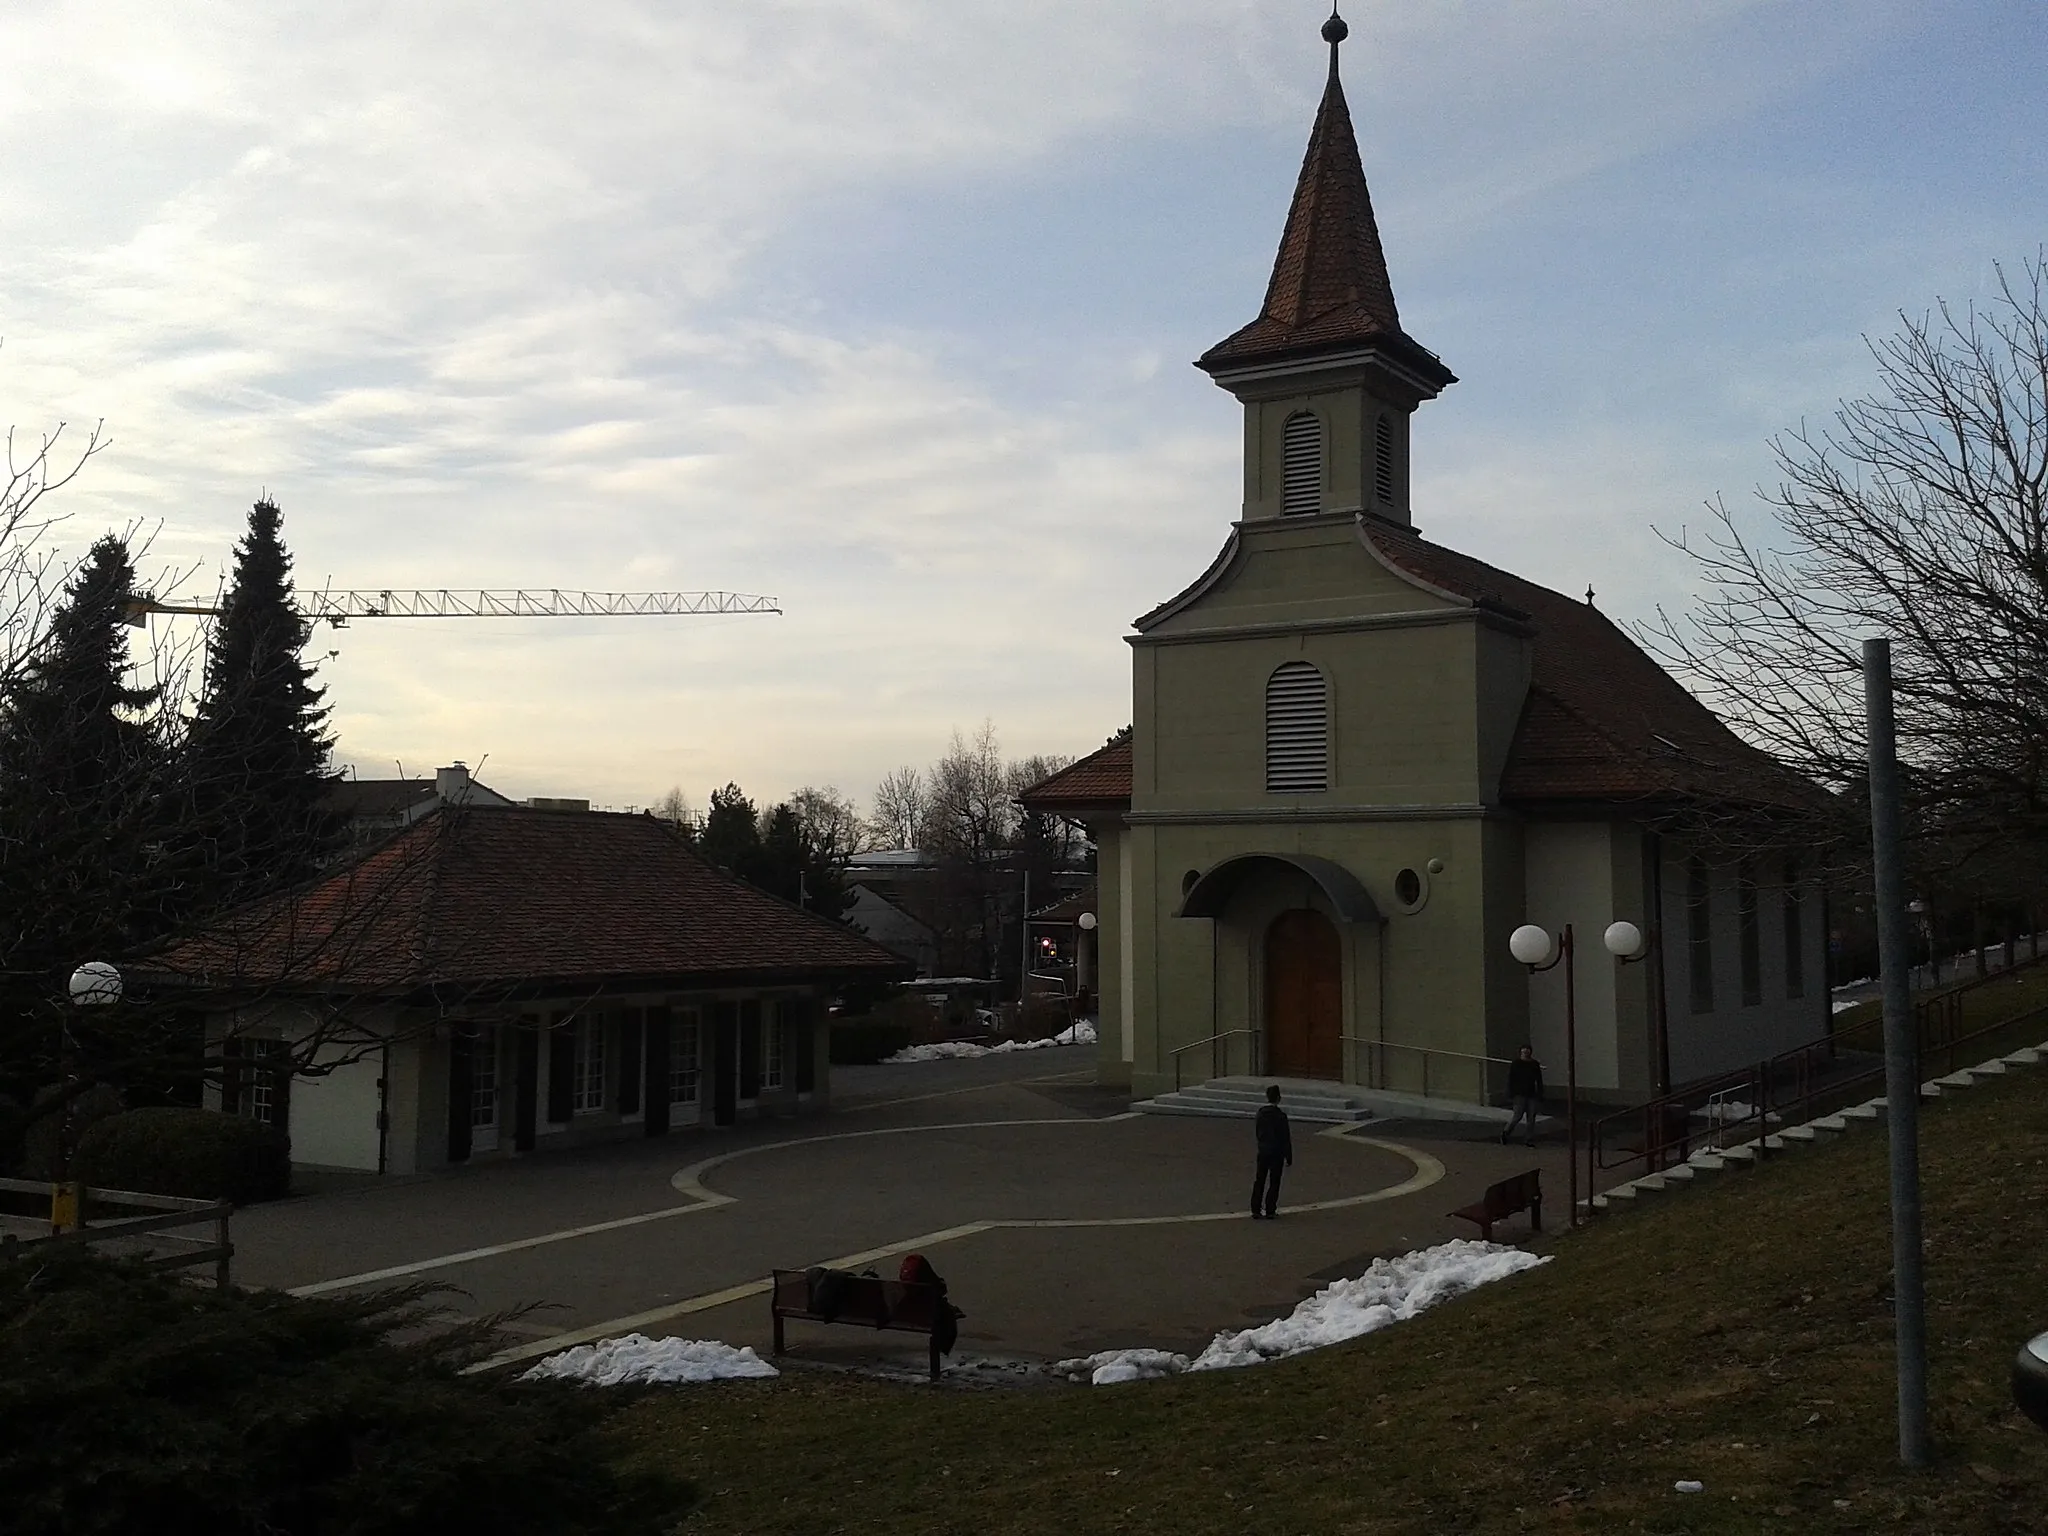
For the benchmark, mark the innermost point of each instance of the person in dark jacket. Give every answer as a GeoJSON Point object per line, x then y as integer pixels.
{"type": "Point", "coordinates": [1525, 1090]}
{"type": "Point", "coordinates": [1276, 1151]}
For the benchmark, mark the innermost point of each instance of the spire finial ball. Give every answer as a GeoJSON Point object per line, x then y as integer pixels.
{"type": "Point", "coordinates": [1334, 30]}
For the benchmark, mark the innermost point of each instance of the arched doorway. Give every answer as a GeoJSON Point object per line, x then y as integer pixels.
{"type": "Point", "coordinates": [1304, 996]}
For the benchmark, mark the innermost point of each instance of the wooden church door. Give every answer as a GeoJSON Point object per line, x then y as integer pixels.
{"type": "Point", "coordinates": [1304, 997]}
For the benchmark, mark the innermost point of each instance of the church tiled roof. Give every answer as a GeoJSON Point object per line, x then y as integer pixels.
{"type": "Point", "coordinates": [1602, 722]}
{"type": "Point", "coordinates": [1329, 290]}
{"type": "Point", "coordinates": [1103, 777]}
{"type": "Point", "coordinates": [505, 897]}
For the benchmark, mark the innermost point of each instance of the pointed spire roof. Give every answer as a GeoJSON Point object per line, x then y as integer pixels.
{"type": "Point", "coordinates": [1329, 290]}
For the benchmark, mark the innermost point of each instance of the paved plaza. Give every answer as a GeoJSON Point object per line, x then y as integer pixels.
{"type": "Point", "coordinates": [1063, 1222]}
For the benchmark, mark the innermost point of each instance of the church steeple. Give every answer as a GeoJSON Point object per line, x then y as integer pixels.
{"type": "Point", "coordinates": [1329, 329]}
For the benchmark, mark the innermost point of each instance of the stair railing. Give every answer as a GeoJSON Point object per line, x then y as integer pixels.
{"type": "Point", "coordinates": [1258, 1040]}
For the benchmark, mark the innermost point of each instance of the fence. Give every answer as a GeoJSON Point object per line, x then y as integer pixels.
{"type": "Point", "coordinates": [173, 1212]}
{"type": "Point", "coordinates": [1741, 1106]}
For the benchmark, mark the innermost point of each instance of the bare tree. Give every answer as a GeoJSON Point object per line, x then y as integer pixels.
{"type": "Point", "coordinates": [833, 828]}
{"type": "Point", "coordinates": [902, 801]}
{"type": "Point", "coordinates": [675, 809]}
{"type": "Point", "coordinates": [1921, 513]}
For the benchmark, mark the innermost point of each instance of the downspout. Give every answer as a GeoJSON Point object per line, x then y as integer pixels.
{"type": "Point", "coordinates": [1380, 1025]}
{"type": "Point", "coordinates": [1660, 1024]}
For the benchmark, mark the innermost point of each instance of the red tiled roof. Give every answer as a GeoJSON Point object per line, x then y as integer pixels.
{"type": "Point", "coordinates": [494, 897]}
{"type": "Point", "coordinates": [1329, 289]}
{"type": "Point", "coordinates": [1602, 720]}
{"type": "Point", "coordinates": [1103, 777]}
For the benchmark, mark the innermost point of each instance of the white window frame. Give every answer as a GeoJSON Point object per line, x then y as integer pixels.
{"type": "Point", "coordinates": [772, 1053]}
{"type": "Point", "coordinates": [686, 1069]}
{"type": "Point", "coordinates": [259, 1082]}
{"type": "Point", "coordinates": [587, 1085]}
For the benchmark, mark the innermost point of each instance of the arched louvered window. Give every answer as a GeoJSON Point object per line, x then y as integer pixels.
{"type": "Point", "coordinates": [1383, 459]}
{"type": "Point", "coordinates": [1301, 465]}
{"type": "Point", "coordinates": [1297, 730]}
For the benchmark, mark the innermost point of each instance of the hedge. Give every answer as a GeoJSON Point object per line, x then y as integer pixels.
{"type": "Point", "coordinates": [862, 1042]}
{"type": "Point", "coordinates": [39, 1140]}
{"type": "Point", "coordinates": [130, 1401]}
{"type": "Point", "coordinates": [201, 1154]}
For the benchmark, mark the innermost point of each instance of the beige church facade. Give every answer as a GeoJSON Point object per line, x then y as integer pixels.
{"type": "Point", "coordinates": [1358, 760]}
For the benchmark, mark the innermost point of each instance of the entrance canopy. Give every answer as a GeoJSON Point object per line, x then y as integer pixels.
{"type": "Point", "coordinates": [1211, 894]}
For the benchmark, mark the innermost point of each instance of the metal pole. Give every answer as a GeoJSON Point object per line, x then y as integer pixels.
{"type": "Point", "coordinates": [1901, 1056]}
{"type": "Point", "coordinates": [1571, 1077]}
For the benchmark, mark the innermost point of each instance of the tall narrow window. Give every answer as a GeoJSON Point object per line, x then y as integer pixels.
{"type": "Point", "coordinates": [1301, 465]}
{"type": "Point", "coordinates": [1699, 934]}
{"type": "Point", "coordinates": [588, 1067]}
{"type": "Point", "coordinates": [684, 1071]}
{"type": "Point", "coordinates": [1297, 730]}
{"type": "Point", "coordinates": [1752, 937]}
{"type": "Point", "coordinates": [771, 1044]}
{"type": "Point", "coordinates": [1383, 459]}
{"type": "Point", "coordinates": [1795, 934]}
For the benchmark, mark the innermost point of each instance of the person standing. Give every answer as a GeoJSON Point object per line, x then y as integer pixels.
{"type": "Point", "coordinates": [1525, 1090]}
{"type": "Point", "coordinates": [1276, 1151]}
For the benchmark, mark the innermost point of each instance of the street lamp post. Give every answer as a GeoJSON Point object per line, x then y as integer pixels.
{"type": "Point", "coordinates": [95, 984]}
{"type": "Point", "coordinates": [1537, 949]}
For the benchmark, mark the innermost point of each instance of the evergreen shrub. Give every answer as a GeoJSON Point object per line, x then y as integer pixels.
{"type": "Point", "coordinates": [201, 1154]}
{"type": "Point", "coordinates": [863, 1042]}
{"type": "Point", "coordinates": [39, 1140]}
{"type": "Point", "coordinates": [132, 1402]}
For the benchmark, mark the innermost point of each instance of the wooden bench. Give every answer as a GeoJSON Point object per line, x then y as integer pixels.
{"type": "Point", "coordinates": [866, 1301]}
{"type": "Point", "coordinates": [1523, 1192]}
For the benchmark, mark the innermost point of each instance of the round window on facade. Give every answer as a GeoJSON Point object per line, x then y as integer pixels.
{"type": "Point", "coordinates": [1410, 890]}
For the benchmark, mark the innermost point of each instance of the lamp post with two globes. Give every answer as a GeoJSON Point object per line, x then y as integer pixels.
{"type": "Point", "coordinates": [95, 984]}
{"type": "Point", "coordinates": [1541, 950]}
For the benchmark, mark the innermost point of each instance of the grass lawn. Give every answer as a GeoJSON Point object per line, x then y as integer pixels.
{"type": "Point", "coordinates": [2013, 996]}
{"type": "Point", "coordinates": [1738, 1333]}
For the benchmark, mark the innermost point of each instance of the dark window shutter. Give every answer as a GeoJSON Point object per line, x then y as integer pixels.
{"type": "Point", "coordinates": [629, 1061]}
{"type": "Point", "coordinates": [657, 1038]}
{"type": "Point", "coordinates": [461, 1082]}
{"type": "Point", "coordinates": [231, 1075]}
{"type": "Point", "coordinates": [803, 1013]}
{"type": "Point", "coordinates": [750, 1048]}
{"type": "Point", "coordinates": [562, 1072]}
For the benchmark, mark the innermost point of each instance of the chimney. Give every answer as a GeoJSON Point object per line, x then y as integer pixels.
{"type": "Point", "coordinates": [452, 783]}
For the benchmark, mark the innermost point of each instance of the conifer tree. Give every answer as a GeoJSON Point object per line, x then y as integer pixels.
{"type": "Point", "coordinates": [259, 747]}
{"type": "Point", "coordinates": [82, 771]}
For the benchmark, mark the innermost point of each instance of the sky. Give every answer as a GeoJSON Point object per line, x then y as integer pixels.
{"type": "Point", "coordinates": [885, 308]}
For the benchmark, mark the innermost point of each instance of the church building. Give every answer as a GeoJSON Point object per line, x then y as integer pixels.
{"type": "Point", "coordinates": [1359, 760]}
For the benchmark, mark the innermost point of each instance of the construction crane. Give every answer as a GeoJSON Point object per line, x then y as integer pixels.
{"type": "Point", "coordinates": [337, 608]}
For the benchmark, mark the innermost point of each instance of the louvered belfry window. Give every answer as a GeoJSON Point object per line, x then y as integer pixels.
{"type": "Point", "coordinates": [1383, 459]}
{"type": "Point", "coordinates": [1301, 465]}
{"type": "Point", "coordinates": [1297, 730]}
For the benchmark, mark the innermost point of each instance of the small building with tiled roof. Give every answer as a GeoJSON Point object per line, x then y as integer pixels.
{"type": "Point", "coordinates": [1360, 759]}
{"type": "Point", "coordinates": [498, 979]}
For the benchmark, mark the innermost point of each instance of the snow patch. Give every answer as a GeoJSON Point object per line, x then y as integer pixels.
{"type": "Point", "coordinates": [1082, 1033]}
{"type": "Point", "coordinates": [1732, 1112]}
{"type": "Point", "coordinates": [639, 1360]}
{"type": "Point", "coordinates": [1390, 1291]}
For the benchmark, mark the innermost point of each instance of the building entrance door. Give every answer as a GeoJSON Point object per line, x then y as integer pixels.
{"type": "Point", "coordinates": [1304, 996]}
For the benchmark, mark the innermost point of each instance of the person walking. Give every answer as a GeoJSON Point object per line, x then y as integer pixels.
{"type": "Point", "coordinates": [1276, 1151]}
{"type": "Point", "coordinates": [1525, 1090]}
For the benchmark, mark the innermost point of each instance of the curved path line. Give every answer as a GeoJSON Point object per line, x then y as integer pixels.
{"type": "Point", "coordinates": [1428, 1171]}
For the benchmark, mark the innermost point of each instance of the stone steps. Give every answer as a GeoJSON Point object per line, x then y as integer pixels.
{"type": "Point", "coordinates": [1826, 1128]}
{"type": "Point", "coordinates": [1242, 1098]}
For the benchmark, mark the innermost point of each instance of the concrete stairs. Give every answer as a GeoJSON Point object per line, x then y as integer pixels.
{"type": "Point", "coordinates": [1706, 1163]}
{"type": "Point", "coordinates": [1240, 1098]}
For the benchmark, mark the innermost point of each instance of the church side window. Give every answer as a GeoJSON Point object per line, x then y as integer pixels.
{"type": "Point", "coordinates": [1297, 730]}
{"type": "Point", "coordinates": [1699, 934]}
{"type": "Point", "coordinates": [1301, 465]}
{"type": "Point", "coordinates": [1383, 459]}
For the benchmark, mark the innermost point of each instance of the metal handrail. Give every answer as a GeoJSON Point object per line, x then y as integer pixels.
{"type": "Point", "coordinates": [1425, 1052]}
{"type": "Point", "coordinates": [1211, 1040]}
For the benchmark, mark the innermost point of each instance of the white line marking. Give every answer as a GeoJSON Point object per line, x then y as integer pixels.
{"type": "Point", "coordinates": [707, 1201]}
{"type": "Point", "coordinates": [1428, 1171]}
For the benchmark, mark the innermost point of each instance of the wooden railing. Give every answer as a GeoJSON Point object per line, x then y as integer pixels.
{"type": "Point", "coordinates": [172, 1212]}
